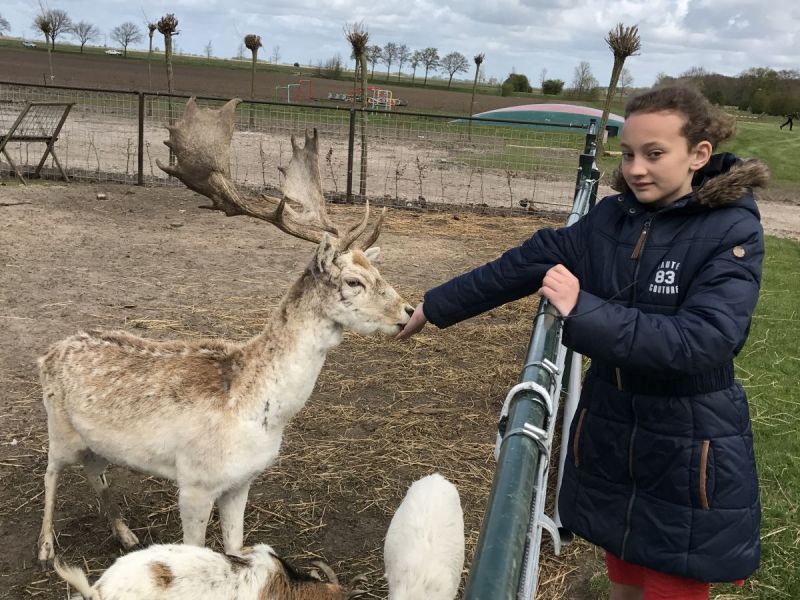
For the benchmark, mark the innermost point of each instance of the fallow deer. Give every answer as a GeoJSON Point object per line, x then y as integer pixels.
{"type": "Point", "coordinates": [210, 414]}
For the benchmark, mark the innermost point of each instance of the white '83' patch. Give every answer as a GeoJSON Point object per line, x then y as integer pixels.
{"type": "Point", "coordinates": [665, 279]}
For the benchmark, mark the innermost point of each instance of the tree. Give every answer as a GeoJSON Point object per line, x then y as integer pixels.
{"type": "Point", "coordinates": [276, 54]}
{"type": "Point", "coordinates": [478, 58]}
{"type": "Point", "coordinates": [253, 43]}
{"type": "Point", "coordinates": [358, 36]}
{"type": "Point", "coordinates": [374, 55]}
{"type": "Point", "coordinates": [151, 28]}
{"type": "Point", "coordinates": [42, 23]}
{"type": "Point", "coordinates": [583, 82]}
{"type": "Point", "coordinates": [52, 22]}
{"type": "Point", "coordinates": [625, 81]}
{"type": "Point", "coordinates": [416, 59]}
{"type": "Point", "coordinates": [5, 26]}
{"type": "Point", "coordinates": [552, 87]}
{"type": "Point", "coordinates": [430, 58]}
{"type": "Point", "coordinates": [389, 55]}
{"type": "Point", "coordinates": [403, 54]}
{"type": "Point", "coordinates": [516, 82]}
{"type": "Point", "coordinates": [209, 50]}
{"type": "Point", "coordinates": [126, 34]}
{"type": "Point", "coordinates": [85, 32]}
{"type": "Point", "coordinates": [542, 78]}
{"type": "Point", "coordinates": [623, 42]}
{"type": "Point", "coordinates": [168, 27]}
{"type": "Point", "coordinates": [453, 63]}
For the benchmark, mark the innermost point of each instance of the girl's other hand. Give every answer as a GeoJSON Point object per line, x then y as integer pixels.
{"type": "Point", "coordinates": [561, 288]}
{"type": "Point", "coordinates": [414, 325]}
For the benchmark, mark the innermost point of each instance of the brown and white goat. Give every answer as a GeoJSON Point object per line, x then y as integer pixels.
{"type": "Point", "coordinates": [179, 572]}
{"type": "Point", "coordinates": [210, 414]}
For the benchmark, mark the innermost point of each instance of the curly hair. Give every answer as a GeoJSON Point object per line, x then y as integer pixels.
{"type": "Point", "coordinates": [704, 122]}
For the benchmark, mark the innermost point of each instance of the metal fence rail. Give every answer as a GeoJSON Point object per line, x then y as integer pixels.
{"type": "Point", "coordinates": [413, 159]}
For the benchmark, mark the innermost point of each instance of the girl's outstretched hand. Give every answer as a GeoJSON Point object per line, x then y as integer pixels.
{"type": "Point", "coordinates": [414, 325]}
{"type": "Point", "coordinates": [561, 288]}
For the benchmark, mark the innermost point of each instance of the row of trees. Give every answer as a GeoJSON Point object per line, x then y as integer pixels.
{"type": "Point", "coordinates": [400, 54]}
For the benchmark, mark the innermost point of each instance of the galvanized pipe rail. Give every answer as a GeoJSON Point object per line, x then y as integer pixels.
{"type": "Point", "coordinates": [506, 561]}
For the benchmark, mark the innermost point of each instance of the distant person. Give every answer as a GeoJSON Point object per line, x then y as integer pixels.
{"type": "Point", "coordinates": [789, 119]}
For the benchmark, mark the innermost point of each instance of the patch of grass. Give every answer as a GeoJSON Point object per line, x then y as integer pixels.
{"type": "Point", "coordinates": [769, 367]}
{"type": "Point", "coordinates": [779, 148]}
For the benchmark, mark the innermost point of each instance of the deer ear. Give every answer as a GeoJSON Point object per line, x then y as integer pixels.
{"type": "Point", "coordinates": [326, 252]}
{"type": "Point", "coordinates": [372, 254]}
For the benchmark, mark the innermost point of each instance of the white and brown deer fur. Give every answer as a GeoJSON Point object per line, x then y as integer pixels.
{"type": "Point", "coordinates": [209, 414]}
{"type": "Point", "coordinates": [179, 572]}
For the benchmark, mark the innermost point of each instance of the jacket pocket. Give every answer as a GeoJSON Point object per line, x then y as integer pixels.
{"type": "Point", "coordinates": [704, 483]}
{"type": "Point", "coordinates": [577, 439]}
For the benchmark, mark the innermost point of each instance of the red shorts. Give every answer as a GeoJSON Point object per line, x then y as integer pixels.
{"type": "Point", "coordinates": [656, 585]}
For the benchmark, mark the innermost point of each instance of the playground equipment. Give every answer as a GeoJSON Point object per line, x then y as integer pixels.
{"type": "Point", "coordinates": [293, 92]}
{"type": "Point", "coordinates": [377, 98]}
{"type": "Point", "coordinates": [506, 562]}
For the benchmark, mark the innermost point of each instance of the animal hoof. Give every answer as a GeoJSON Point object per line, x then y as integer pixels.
{"type": "Point", "coordinates": [46, 556]}
{"type": "Point", "coordinates": [127, 538]}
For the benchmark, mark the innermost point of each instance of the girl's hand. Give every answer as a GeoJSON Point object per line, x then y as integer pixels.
{"type": "Point", "coordinates": [561, 288]}
{"type": "Point", "coordinates": [414, 325]}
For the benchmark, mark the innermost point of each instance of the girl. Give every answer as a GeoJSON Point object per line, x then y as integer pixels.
{"type": "Point", "coordinates": [658, 285]}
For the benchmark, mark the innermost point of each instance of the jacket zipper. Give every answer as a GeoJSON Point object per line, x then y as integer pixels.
{"type": "Point", "coordinates": [635, 255]}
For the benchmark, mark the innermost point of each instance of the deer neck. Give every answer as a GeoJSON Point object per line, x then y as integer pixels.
{"type": "Point", "coordinates": [288, 355]}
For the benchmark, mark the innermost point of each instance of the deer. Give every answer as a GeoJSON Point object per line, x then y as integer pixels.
{"type": "Point", "coordinates": [209, 414]}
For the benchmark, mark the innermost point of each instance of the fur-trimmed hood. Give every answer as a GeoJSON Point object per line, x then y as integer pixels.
{"type": "Point", "coordinates": [723, 180]}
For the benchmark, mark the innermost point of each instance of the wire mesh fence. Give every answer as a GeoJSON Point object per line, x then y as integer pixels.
{"type": "Point", "coordinates": [392, 158]}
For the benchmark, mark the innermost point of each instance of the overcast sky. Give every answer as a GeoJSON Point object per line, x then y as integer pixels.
{"type": "Point", "coordinates": [724, 36]}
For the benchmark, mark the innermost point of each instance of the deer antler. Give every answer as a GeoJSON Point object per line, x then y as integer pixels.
{"type": "Point", "coordinates": [201, 141]}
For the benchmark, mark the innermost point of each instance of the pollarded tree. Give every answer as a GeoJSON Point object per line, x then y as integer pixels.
{"type": "Point", "coordinates": [478, 58]}
{"type": "Point", "coordinates": [430, 58]}
{"type": "Point", "coordinates": [168, 27]}
{"type": "Point", "coordinates": [85, 32]}
{"type": "Point", "coordinates": [623, 42]}
{"type": "Point", "coordinates": [42, 23]}
{"type": "Point", "coordinates": [358, 36]}
{"type": "Point", "coordinates": [253, 43]}
{"type": "Point", "coordinates": [5, 26]}
{"type": "Point", "coordinates": [126, 34]}
{"type": "Point", "coordinates": [151, 28]}
{"type": "Point", "coordinates": [453, 63]}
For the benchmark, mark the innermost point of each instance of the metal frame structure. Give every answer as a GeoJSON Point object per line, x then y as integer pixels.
{"type": "Point", "coordinates": [28, 134]}
{"type": "Point", "coordinates": [506, 561]}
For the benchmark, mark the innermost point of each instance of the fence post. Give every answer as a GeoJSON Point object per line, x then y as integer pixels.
{"type": "Point", "coordinates": [351, 140]}
{"type": "Point", "coordinates": [140, 151]}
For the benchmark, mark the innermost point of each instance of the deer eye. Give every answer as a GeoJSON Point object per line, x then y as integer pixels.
{"type": "Point", "coordinates": [354, 283]}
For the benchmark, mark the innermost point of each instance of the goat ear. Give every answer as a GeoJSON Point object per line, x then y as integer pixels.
{"type": "Point", "coordinates": [372, 254]}
{"type": "Point", "coordinates": [326, 252]}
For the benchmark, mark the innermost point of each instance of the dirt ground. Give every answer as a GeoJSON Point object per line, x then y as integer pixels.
{"type": "Point", "coordinates": [384, 413]}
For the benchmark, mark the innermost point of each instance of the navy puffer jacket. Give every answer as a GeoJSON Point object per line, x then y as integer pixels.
{"type": "Point", "coordinates": [661, 470]}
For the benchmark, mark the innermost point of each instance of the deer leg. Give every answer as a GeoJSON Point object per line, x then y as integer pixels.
{"type": "Point", "coordinates": [231, 507]}
{"type": "Point", "coordinates": [46, 544]}
{"type": "Point", "coordinates": [95, 467]}
{"type": "Point", "coordinates": [195, 505]}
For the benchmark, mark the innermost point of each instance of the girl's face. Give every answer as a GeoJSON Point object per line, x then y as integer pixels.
{"type": "Point", "coordinates": [657, 162]}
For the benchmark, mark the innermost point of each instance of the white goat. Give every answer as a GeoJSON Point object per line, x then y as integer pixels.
{"type": "Point", "coordinates": [180, 572]}
{"type": "Point", "coordinates": [424, 550]}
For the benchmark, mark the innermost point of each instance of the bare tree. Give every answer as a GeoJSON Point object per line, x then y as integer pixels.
{"type": "Point", "coordinates": [389, 55]}
{"type": "Point", "coordinates": [126, 34]}
{"type": "Point", "coordinates": [85, 32]}
{"type": "Point", "coordinates": [358, 36]}
{"type": "Point", "coordinates": [209, 50]}
{"type": "Point", "coordinates": [416, 59]}
{"type": "Point", "coordinates": [623, 42]}
{"type": "Point", "coordinates": [276, 54]}
{"type": "Point", "coordinates": [55, 20]}
{"type": "Point", "coordinates": [403, 54]}
{"type": "Point", "coordinates": [168, 27]}
{"type": "Point", "coordinates": [625, 81]}
{"type": "Point", "coordinates": [5, 26]}
{"type": "Point", "coordinates": [583, 81]}
{"type": "Point", "coordinates": [453, 63]}
{"type": "Point", "coordinates": [478, 58]}
{"type": "Point", "coordinates": [430, 58]}
{"type": "Point", "coordinates": [374, 56]}
{"type": "Point", "coordinates": [542, 77]}
{"type": "Point", "coordinates": [42, 23]}
{"type": "Point", "coordinates": [151, 28]}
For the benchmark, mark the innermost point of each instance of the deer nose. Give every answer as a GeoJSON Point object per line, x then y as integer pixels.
{"type": "Point", "coordinates": [409, 309]}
